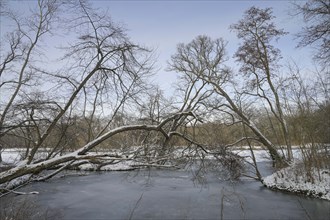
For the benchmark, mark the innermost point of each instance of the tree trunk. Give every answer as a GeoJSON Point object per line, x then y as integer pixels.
{"type": "Point", "coordinates": [277, 159]}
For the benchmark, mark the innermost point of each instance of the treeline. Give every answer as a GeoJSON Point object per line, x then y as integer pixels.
{"type": "Point", "coordinates": [306, 127]}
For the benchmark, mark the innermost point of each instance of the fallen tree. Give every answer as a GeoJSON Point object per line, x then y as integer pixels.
{"type": "Point", "coordinates": [24, 167]}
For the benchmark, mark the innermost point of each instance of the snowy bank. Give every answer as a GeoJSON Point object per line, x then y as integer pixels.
{"type": "Point", "coordinates": [315, 183]}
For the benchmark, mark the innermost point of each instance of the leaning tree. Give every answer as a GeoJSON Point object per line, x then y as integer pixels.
{"type": "Point", "coordinates": [203, 59]}
{"type": "Point", "coordinates": [259, 61]}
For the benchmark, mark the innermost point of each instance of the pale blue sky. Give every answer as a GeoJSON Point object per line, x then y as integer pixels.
{"type": "Point", "coordinates": [164, 24]}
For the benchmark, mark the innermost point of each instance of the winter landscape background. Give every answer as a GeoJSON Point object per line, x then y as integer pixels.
{"type": "Point", "coordinates": [165, 109]}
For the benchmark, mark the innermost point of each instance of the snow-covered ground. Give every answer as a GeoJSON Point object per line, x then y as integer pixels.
{"type": "Point", "coordinates": [11, 156]}
{"type": "Point", "coordinates": [260, 155]}
{"type": "Point", "coordinates": [294, 179]}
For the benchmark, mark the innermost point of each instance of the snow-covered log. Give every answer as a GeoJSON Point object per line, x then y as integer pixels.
{"type": "Point", "coordinates": [24, 167]}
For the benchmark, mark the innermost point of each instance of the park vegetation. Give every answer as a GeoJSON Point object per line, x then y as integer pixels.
{"type": "Point", "coordinates": [95, 103]}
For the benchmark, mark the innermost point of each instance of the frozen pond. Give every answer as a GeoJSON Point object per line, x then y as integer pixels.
{"type": "Point", "coordinates": [168, 194]}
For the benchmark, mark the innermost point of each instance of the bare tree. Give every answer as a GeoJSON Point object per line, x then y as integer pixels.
{"type": "Point", "coordinates": [25, 111]}
{"type": "Point", "coordinates": [15, 67]}
{"type": "Point", "coordinates": [103, 53]}
{"type": "Point", "coordinates": [203, 59]}
{"type": "Point", "coordinates": [259, 61]}
{"type": "Point", "coordinates": [316, 14]}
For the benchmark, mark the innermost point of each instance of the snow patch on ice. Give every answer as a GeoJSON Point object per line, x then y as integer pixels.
{"type": "Point", "coordinates": [121, 166]}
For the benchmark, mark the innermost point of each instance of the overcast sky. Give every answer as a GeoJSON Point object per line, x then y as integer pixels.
{"type": "Point", "coordinates": [164, 24]}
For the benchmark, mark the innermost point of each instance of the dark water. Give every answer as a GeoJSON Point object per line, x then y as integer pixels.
{"type": "Point", "coordinates": [168, 194]}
